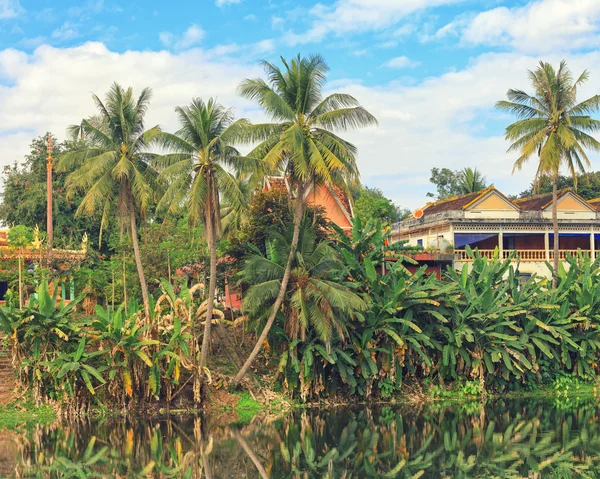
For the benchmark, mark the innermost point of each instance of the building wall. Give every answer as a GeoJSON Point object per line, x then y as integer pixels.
{"type": "Point", "coordinates": [438, 237]}
{"type": "Point", "coordinates": [321, 196]}
{"type": "Point", "coordinates": [492, 207]}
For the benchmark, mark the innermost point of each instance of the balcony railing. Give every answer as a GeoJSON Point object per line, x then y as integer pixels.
{"type": "Point", "coordinates": [523, 255]}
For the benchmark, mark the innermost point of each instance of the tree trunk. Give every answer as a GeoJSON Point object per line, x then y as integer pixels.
{"type": "Point", "coordinates": [298, 214]}
{"type": "Point", "coordinates": [212, 286]}
{"type": "Point", "coordinates": [138, 259]}
{"type": "Point", "coordinates": [20, 284]}
{"type": "Point", "coordinates": [555, 228]}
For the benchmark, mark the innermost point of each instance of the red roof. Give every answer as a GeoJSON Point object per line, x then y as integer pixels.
{"type": "Point", "coordinates": [539, 202]}
{"type": "Point", "coordinates": [595, 203]}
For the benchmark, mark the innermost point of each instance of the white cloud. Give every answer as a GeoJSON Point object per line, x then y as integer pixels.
{"type": "Point", "coordinates": [250, 18]}
{"type": "Point", "coordinates": [222, 3]}
{"type": "Point", "coordinates": [10, 8]}
{"type": "Point", "coordinates": [67, 31]}
{"type": "Point", "coordinates": [440, 122]}
{"type": "Point", "coordinates": [359, 53]}
{"type": "Point", "coordinates": [401, 62]}
{"type": "Point", "coordinates": [539, 26]}
{"type": "Point", "coordinates": [191, 37]}
{"type": "Point", "coordinates": [449, 121]}
{"type": "Point", "coordinates": [356, 16]}
{"type": "Point", "coordinates": [277, 22]}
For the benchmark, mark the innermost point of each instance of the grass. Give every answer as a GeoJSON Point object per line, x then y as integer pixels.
{"type": "Point", "coordinates": [25, 416]}
{"type": "Point", "coordinates": [247, 408]}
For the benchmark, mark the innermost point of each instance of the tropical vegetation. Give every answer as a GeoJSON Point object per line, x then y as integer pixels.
{"type": "Point", "coordinates": [325, 314]}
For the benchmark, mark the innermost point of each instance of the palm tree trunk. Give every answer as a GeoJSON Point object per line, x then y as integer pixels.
{"type": "Point", "coordinates": [212, 286]}
{"type": "Point", "coordinates": [555, 227]}
{"type": "Point", "coordinates": [138, 259]}
{"type": "Point", "coordinates": [298, 214]}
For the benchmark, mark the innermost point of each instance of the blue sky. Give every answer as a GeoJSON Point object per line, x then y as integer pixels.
{"type": "Point", "coordinates": [430, 70]}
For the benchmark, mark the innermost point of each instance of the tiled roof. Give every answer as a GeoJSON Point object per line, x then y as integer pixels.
{"type": "Point", "coordinates": [455, 203]}
{"type": "Point", "coordinates": [539, 202]}
{"type": "Point", "coordinates": [343, 197]}
{"type": "Point", "coordinates": [595, 203]}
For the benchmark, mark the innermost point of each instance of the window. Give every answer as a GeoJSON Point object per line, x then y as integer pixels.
{"type": "Point", "coordinates": [420, 242]}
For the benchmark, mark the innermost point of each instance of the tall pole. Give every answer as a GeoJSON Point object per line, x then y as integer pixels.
{"type": "Point", "coordinates": [49, 192]}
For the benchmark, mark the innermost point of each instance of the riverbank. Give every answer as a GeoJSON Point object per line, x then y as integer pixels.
{"type": "Point", "coordinates": [239, 408]}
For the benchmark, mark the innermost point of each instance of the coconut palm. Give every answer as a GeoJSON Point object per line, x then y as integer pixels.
{"type": "Point", "coordinates": [552, 126]}
{"type": "Point", "coordinates": [301, 143]}
{"type": "Point", "coordinates": [470, 180]}
{"type": "Point", "coordinates": [111, 167]}
{"type": "Point", "coordinates": [198, 175]}
{"type": "Point", "coordinates": [315, 297]}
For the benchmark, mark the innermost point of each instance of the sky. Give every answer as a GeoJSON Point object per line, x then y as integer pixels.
{"type": "Point", "coordinates": [429, 70]}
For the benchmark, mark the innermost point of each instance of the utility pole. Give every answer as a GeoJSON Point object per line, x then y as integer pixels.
{"type": "Point", "coordinates": [49, 229]}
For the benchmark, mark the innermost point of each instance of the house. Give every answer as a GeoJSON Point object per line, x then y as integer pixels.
{"type": "Point", "coordinates": [334, 201]}
{"type": "Point", "coordinates": [489, 220]}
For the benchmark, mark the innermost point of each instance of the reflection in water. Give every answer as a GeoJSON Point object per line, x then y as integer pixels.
{"type": "Point", "coordinates": [505, 439]}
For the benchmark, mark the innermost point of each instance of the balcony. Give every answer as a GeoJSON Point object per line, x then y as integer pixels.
{"type": "Point", "coordinates": [522, 255]}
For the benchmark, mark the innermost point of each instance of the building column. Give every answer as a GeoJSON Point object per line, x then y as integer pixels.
{"type": "Point", "coordinates": [547, 244]}
{"type": "Point", "coordinates": [592, 245]}
{"type": "Point", "coordinates": [501, 244]}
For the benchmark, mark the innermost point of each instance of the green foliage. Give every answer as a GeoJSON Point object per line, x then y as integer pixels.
{"type": "Point", "coordinates": [112, 354]}
{"type": "Point", "coordinates": [24, 197]}
{"type": "Point", "coordinates": [371, 204]}
{"type": "Point", "coordinates": [452, 183]}
{"type": "Point", "coordinates": [20, 236]}
{"type": "Point", "coordinates": [587, 185]}
{"type": "Point", "coordinates": [482, 325]}
{"type": "Point", "coordinates": [269, 212]}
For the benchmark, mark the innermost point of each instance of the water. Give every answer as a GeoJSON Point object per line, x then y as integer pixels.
{"type": "Point", "coordinates": [557, 438]}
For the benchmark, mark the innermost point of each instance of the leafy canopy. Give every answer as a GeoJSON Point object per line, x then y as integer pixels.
{"type": "Point", "coordinates": [302, 141]}
{"type": "Point", "coordinates": [551, 124]}
{"type": "Point", "coordinates": [111, 167]}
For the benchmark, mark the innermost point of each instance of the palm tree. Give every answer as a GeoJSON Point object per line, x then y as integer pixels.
{"type": "Point", "coordinates": [315, 298]}
{"type": "Point", "coordinates": [301, 143]}
{"type": "Point", "coordinates": [111, 167]}
{"type": "Point", "coordinates": [553, 126]}
{"type": "Point", "coordinates": [471, 180]}
{"type": "Point", "coordinates": [198, 175]}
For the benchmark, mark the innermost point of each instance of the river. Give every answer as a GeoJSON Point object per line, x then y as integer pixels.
{"type": "Point", "coordinates": [557, 438]}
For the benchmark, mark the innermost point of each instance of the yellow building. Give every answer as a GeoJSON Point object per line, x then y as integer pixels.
{"type": "Point", "coordinates": [488, 220]}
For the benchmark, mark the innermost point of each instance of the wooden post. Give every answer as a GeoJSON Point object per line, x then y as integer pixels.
{"type": "Point", "coordinates": [547, 245]}
{"type": "Point", "coordinates": [49, 228]}
{"type": "Point", "coordinates": [592, 245]}
{"type": "Point", "coordinates": [501, 244]}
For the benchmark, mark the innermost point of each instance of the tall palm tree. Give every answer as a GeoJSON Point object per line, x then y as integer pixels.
{"type": "Point", "coordinates": [112, 166]}
{"type": "Point", "coordinates": [552, 126]}
{"type": "Point", "coordinates": [471, 180]}
{"type": "Point", "coordinates": [198, 175]}
{"type": "Point", "coordinates": [301, 143]}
